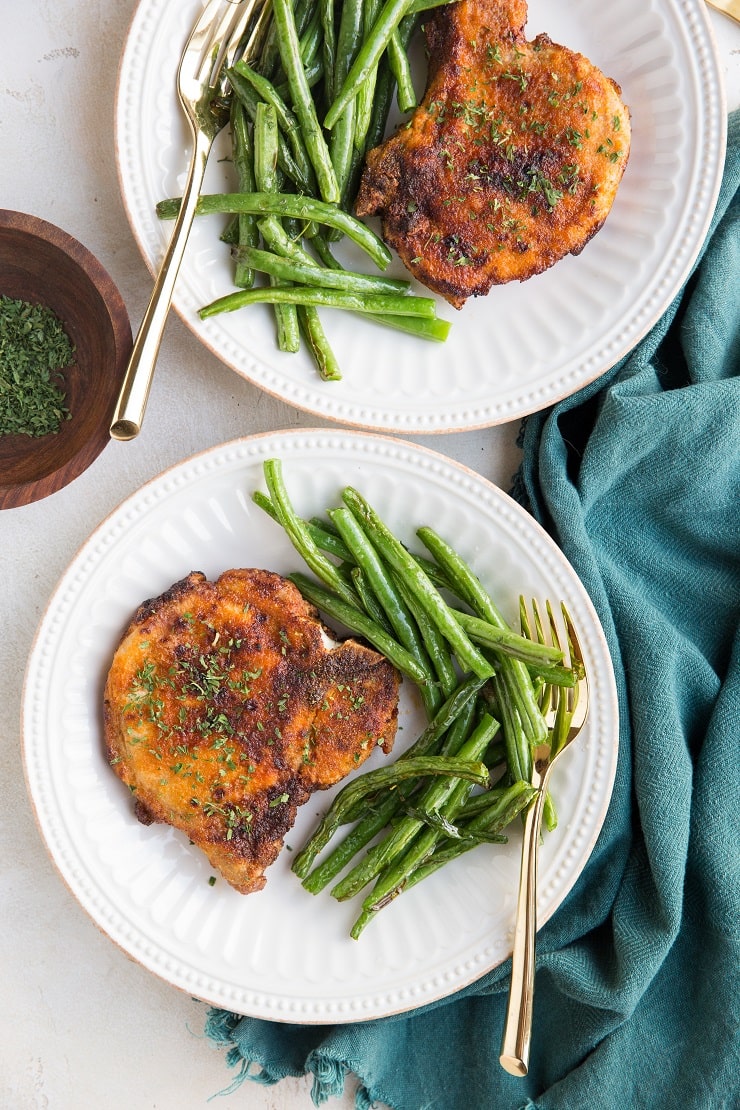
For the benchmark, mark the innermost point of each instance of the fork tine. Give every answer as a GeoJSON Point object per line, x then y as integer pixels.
{"type": "Point", "coordinates": [204, 34]}
{"type": "Point", "coordinates": [574, 647]}
{"type": "Point", "coordinates": [248, 30]}
{"type": "Point", "coordinates": [554, 694]}
{"type": "Point", "coordinates": [554, 634]}
{"type": "Point", "coordinates": [577, 661]}
{"type": "Point", "coordinates": [538, 624]}
{"type": "Point", "coordinates": [559, 700]}
{"type": "Point", "coordinates": [214, 27]}
{"type": "Point", "coordinates": [532, 629]}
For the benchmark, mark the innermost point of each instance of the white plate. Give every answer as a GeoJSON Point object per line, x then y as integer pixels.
{"type": "Point", "coordinates": [522, 347]}
{"type": "Point", "coordinates": [283, 953]}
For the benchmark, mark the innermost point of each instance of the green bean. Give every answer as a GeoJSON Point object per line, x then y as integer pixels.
{"type": "Point", "coordinates": [460, 730]}
{"type": "Point", "coordinates": [382, 855]}
{"type": "Point", "coordinates": [370, 603]}
{"type": "Point", "coordinates": [554, 676]}
{"type": "Point", "coordinates": [385, 808]}
{"type": "Point", "coordinates": [520, 688]}
{"type": "Point", "coordinates": [368, 827]}
{"type": "Point", "coordinates": [496, 756]}
{"type": "Point", "coordinates": [279, 241]}
{"type": "Point", "coordinates": [323, 250]}
{"type": "Point", "coordinates": [265, 177]}
{"type": "Point", "coordinates": [283, 237]}
{"type": "Point", "coordinates": [349, 39]}
{"type": "Point", "coordinates": [265, 148]}
{"type": "Point", "coordinates": [481, 803]}
{"type": "Point", "coordinates": [358, 622]}
{"type": "Point", "coordinates": [314, 72]}
{"type": "Point", "coordinates": [286, 119]}
{"type": "Point", "coordinates": [518, 756]}
{"type": "Point", "coordinates": [401, 69]}
{"type": "Point", "coordinates": [320, 535]}
{"type": "Point", "coordinates": [363, 113]}
{"type": "Point", "coordinates": [394, 553]}
{"type": "Point", "coordinates": [309, 44]}
{"type": "Point", "coordinates": [341, 145]}
{"type": "Point", "coordinates": [394, 877]}
{"type": "Point", "coordinates": [468, 586]}
{"type": "Point", "coordinates": [433, 572]}
{"type": "Point", "coordinates": [367, 57]}
{"type": "Point", "coordinates": [502, 638]}
{"type": "Point", "coordinates": [318, 344]}
{"type": "Point", "coordinates": [461, 577]}
{"type": "Point", "coordinates": [329, 298]}
{"type": "Point", "coordinates": [329, 45]}
{"type": "Point", "coordinates": [249, 99]}
{"type": "Point", "coordinates": [366, 92]}
{"type": "Point", "coordinates": [437, 826]}
{"type": "Point", "coordinates": [270, 53]}
{"type": "Point", "coordinates": [435, 329]}
{"type": "Point", "coordinates": [382, 778]}
{"type": "Point", "coordinates": [385, 86]}
{"type": "Point", "coordinates": [286, 204]}
{"type": "Point", "coordinates": [404, 827]}
{"type": "Point", "coordinates": [392, 604]}
{"type": "Point", "coordinates": [247, 234]}
{"type": "Point", "coordinates": [276, 236]}
{"type": "Point", "coordinates": [324, 522]}
{"type": "Point", "coordinates": [299, 535]}
{"type": "Point", "coordinates": [503, 808]}
{"type": "Point", "coordinates": [341, 142]}
{"type": "Point", "coordinates": [434, 641]}
{"type": "Point", "coordinates": [422, 327]}
{"type": "Point", "coordinates": [303, 104]}
{"type": "Point", "coordinates": [293, 270]}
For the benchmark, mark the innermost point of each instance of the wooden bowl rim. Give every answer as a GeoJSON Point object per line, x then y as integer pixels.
{"type": "Point", "coordinates": [16, 492]}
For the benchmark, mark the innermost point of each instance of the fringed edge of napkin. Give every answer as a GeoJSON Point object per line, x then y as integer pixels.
{"type": "Point", "coordinates": [329, 1075]}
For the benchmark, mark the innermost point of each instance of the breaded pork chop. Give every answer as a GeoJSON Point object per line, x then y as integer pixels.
{"type": "Point", "coordinates": [511, 161]}
{"type": "Point", "coordinates": [226, 705]}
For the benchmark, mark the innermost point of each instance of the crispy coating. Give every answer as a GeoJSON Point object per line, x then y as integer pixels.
{"type": "Point", "coordinates": [225, 707]}
{"type": "Point", "coordinates": [511, 161]}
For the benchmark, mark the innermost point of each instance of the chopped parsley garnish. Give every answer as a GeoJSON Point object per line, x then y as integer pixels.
{"type": "Point", "coordinates": [34, 349]}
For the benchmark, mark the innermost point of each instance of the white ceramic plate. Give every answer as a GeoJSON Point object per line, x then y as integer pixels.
{"type": "Point", "coordinates": [522, 347]}
{"type": "Point", "coordinates": [283, 953]}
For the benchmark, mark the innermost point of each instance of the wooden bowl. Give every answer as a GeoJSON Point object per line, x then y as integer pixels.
{"type": "Point", "coordinates": [42, 264]}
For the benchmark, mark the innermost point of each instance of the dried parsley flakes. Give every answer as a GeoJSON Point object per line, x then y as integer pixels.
{"type": "Point", "coordinates": [34, 348]}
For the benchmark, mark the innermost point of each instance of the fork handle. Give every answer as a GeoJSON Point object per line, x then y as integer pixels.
{"type": "Point", "coordinates": [134, 394]}
{"type": "Point", "coordinates": [514, 1057]}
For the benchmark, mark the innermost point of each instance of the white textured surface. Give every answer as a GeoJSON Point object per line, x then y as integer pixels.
{"type": "Point", "coordinates": [525, 345]}
{"type": "Point", "coordinates": [83, 1026]}
{"type": "Point", "coordinates": [284, 954]}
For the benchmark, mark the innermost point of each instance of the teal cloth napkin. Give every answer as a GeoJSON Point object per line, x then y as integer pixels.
{"type": "Point", "coordinates": [638, 973]}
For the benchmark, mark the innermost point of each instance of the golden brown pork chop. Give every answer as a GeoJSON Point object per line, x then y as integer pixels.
{"type": "Point", "coordinates": [226, 705]}
{"type": "Point", "coordinates": [511, 161]}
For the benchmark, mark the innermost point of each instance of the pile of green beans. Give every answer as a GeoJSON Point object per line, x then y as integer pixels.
{"type": "Point", "coordinates": [480, 681]}
{"type": "Point", "coordinates": [304, 113]}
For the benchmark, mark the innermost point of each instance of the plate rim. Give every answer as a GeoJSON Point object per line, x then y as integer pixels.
{"type": "Point", "coordinates": [306, 1011]}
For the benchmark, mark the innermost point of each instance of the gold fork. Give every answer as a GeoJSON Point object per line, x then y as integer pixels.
{"type": "Point", "coordinates": [565, 710]}
{"type": "Point", "coordinates": [727, 7]}
{"type": "Point", "coordinates": [216, 40]}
